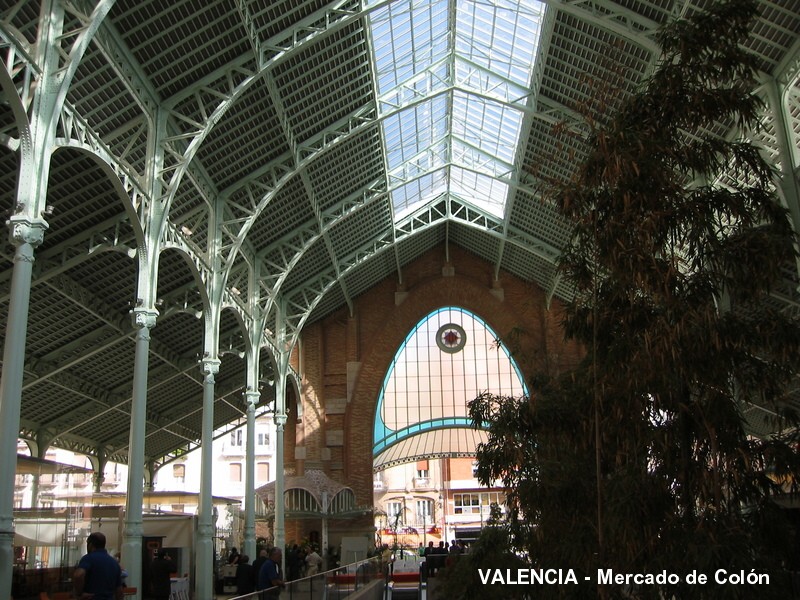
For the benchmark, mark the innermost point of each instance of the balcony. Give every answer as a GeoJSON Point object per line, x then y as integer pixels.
{"type": "Point", "coordinates": [422, 483]}
{"type": "Point", "coordinates": [229, 449]}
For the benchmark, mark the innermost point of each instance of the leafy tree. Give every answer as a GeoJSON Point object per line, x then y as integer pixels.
{"type": "Point", "coordinates": [492, 551]}
{"type": "Point", "coordinates": [641, 461]}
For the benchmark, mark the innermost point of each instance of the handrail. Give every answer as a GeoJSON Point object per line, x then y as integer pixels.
{"type": "Point", "coordinates": [319, 585]}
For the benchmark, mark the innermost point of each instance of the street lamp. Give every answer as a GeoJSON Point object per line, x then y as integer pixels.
{"type": "Point", "coordinates": [441, 509]}
{"type": "Point", "coordinates": [424, 530]}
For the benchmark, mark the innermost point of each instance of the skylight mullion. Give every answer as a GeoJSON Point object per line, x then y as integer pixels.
{"type": "Point", "coordinates": [422, 83]}
{"type": "Point", "coordinates": [469, 156]}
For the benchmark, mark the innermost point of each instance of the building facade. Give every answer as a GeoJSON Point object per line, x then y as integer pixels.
{"type": "Point", "coordinates": [432, 500]}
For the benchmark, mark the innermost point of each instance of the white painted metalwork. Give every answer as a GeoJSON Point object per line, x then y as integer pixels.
{"type": "Point", "coordinates": [237, 170]}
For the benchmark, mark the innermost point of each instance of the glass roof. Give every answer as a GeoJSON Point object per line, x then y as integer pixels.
{"type": "Point", "coordinates": [450, 96]}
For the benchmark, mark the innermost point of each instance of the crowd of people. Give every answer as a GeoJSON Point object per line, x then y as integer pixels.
{"type": "Point", "coordinates": [99, 576]}
{"type": "Point", "coordinates": [265, 570]}
{"type": "Point", "coordinates": [436, 557]}
{"type": "Point", "coordinates": [264, 573]}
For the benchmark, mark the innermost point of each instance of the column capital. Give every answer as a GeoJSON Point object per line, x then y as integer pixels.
{"type": "Point", "coordinates": [252, 397]}
{"type": "Point", "coordinates": [133, 529]}
{"type": "Point", "coordinates": [209, 365]}
{"type": "Point", "coordinates": [280, 419]}
{"type": "Point", "coordinates": [24, 230]}
{"type": "Point", "coordinates": [144, 317]}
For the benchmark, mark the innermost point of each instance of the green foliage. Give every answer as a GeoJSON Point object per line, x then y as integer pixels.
{"type": "Point", "coordinates": [492, 550]}
{"type": "Point", "coordinates": [641, 460]}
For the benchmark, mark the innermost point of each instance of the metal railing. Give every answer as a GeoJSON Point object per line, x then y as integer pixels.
{"type": "Point", "coordinates": [328, 585]}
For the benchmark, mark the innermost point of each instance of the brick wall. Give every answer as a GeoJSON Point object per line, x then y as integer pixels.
{"type": "Point", "coordinates": [345, 357]}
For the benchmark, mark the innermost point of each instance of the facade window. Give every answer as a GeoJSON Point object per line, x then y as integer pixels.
{"type": "Point", "coordinates": [179, 473]}
{"type": "Point", "coordinates": [235, 471]}
{"type": "Point", "coordinates": [263, 439]}
{"type": "Point", "coordinates": [394, 510]}
{"type": "Point", "coordinates": [236, 437]}
{"type": "Point", "coordinates": [422, 473]}
{"type": "Point", "coordinates": [425, 511]}
{"type": "Point", "coordinates": [262, 471]}
{"type": "Point", "coordinates": [466, 504]}
{"type": "Point", "coordinates": [178, 508]}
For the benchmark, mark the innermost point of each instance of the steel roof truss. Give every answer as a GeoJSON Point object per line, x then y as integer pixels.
{"type": "Point", "coordinates": [613, 18]}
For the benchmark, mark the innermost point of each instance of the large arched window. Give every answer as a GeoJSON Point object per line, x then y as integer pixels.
{"type": "Point", "coordinates": [446, 360]}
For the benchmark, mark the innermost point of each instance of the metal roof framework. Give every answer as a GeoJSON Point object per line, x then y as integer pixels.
{"type": "Point", "coordinates": [253, 143]}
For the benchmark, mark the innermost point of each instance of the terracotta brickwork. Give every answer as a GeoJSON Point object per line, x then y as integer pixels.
{"type": "Point", "coordinates": [345, 357]}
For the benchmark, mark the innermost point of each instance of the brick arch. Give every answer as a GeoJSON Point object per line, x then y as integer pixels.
{"type": "Point", "coordinates": [384, 325]}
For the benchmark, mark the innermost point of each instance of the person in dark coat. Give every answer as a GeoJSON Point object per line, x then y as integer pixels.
{"type": "Point", "coordinates": [262, 556]}
{"type": "Point", "coordinates": [270, 578]}
{"type": "Point", "coordinates": [161, 570]}
{"type": "Point", "coordinates": [294, 562]}
{"type": "Point", "coordinates": [245, 582]}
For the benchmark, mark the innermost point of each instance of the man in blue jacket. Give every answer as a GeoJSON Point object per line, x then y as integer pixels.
{"type": "Point", "coordinates": [270, 574]}
{"type": "Point", "coordinates": [98, 575]}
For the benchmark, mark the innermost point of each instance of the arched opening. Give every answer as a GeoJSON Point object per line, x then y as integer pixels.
{"type": "Point", "coordinates": [424, 444]}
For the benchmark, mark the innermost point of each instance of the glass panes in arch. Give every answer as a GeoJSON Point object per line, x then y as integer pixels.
{"type": "Point", "coordinates": [449, 358]}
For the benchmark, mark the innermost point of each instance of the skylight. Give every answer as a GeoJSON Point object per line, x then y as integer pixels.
{"type": "Point", "coordinates": [452, 101]}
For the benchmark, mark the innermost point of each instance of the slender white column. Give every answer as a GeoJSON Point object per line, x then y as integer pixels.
{"type": "Point", "coordinates": [280, 423]}
{"type": "Point", "coordinates": [788, 184]}
{"type": "Point", "coordinates": [280, 520]}
{"type": "Point", "coordinates": [144, 320]}
{"type": "Point", "coordinates": [26, 235]}
{"type": "Point", "coordinates": [204, 545]}
{"type": "Point", "coordinates": [250, 477]}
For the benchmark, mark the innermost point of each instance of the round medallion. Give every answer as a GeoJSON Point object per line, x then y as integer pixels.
{"type": "Point", "coordinates": [451, 338]}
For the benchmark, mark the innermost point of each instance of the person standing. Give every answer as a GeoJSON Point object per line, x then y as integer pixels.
{"type": "Point", "coordinates": [269, 578]}
{"type": "Point", "coordinates": [294, 562]}
{"type": "Point", "coordinates": [161, 570]}
{"type": "Point", "coordinates": [244, 576]}
{"type": "Point", "coordinates": [98, 575]}
{"type": "Point", "coordinates": [387, 558]}
{"type": "Point", "coordinates": [262, 556]}
{"type": "Point", "coordinates": [313, 562]}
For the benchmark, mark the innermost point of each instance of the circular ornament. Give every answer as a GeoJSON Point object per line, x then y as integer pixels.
{"type": "Point", "coordinates": [451, 338]}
